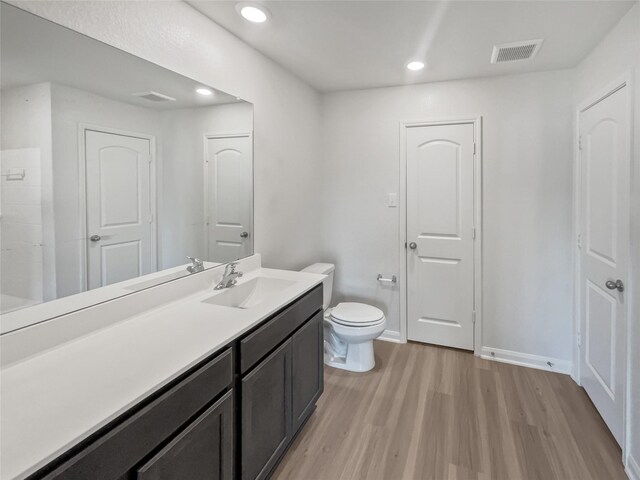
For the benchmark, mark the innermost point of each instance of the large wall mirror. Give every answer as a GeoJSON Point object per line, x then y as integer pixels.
{"type": "Point", "coordinates": [112, 168]}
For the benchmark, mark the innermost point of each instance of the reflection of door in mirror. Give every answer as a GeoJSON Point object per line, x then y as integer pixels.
{"type": "Point", "coordinates": [228, 192]}
{"type": "Point", "coordinates": [120, 224]}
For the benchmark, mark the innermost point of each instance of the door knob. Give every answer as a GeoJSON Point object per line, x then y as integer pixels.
{"type": "Point", "coordinates": [95, 238]}
{"type": "Point", "coordinates": [617, 285]}
{"type": "Point", "coordinates": [244, 234]}
{"type": "Point", "coordinates": [413, 245]}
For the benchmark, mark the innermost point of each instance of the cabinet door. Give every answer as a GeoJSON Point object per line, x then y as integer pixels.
{"type": "Point", "coordinates": [266, 413]}
{"type": "Point", "coordinates": [307, 366]}
{"type": "Point", "coordinates": [203, 450]}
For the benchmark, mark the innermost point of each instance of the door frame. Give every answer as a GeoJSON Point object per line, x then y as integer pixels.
{"type": "Point", "coordinates": [598, 95]}
{"type": "Point", "coordinates": [476, 121]}
{"type": "Point", "coordinates": [82, 198]}
{"type": "Point", "coordinates": [209, 136]}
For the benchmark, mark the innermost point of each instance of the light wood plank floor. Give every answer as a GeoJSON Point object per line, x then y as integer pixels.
{"type": "Point", "coordinates": [436, 413]}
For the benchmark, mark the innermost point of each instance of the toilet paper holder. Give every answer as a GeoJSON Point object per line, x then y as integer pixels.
{"type": "Point", "coordinates": [393, 279]}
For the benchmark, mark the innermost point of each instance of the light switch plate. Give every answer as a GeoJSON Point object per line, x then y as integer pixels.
{"type": "Point", "coordinates": [392, 202]}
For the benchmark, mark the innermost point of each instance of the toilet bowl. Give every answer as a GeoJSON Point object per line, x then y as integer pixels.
{"type": "Point", "coordinates": [349, 328]}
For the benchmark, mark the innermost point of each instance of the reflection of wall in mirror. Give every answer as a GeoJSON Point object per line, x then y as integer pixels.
{"type": "Point", "coordinates": [182, 226]}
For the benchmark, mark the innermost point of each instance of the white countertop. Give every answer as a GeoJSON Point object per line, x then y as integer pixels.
{"type": "Point", "coordinates": [54, 400]}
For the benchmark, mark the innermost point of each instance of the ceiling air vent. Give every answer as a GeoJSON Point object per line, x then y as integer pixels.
{"type": "Point", "coordinates": [513, 52]}
{"type": "Point", "coordinates": [154, 96]}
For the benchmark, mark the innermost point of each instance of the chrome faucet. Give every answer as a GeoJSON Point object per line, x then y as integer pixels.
{"type": "Point", "coordinates": [230, 276]}
{"type": "Point", "coordinates": [196, 266]}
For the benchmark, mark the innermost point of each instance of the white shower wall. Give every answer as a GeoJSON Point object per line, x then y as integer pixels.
{"type": "Point", "coordinates": [21, 236]}
{"type": "Point", "coordinates": [25, 138]}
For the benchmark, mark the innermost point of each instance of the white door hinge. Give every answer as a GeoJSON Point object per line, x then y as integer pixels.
{"type": "Point", "coordinates": [150, 218]}
{"type": "Point", "coordinates": [580, 142]}
{"type": "Point", "coordinates": [473, 317]}
{"type": "Point", "coordinates": [579, 340]}
{"type": "Point", "coordinates": [474, 148]}
{"type": "Point", "coordinates": [473, 233]}
{"type": "Point", "coordinates": [579, 241]}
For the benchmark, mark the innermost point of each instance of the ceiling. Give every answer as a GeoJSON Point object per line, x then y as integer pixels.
{"type": "Point", "coordinates": [343, 45]}
{"type": "Point", "coordinates": [34, 50]}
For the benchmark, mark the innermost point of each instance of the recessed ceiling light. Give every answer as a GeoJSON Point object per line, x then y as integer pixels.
{"type": "Point", "coordinates": [253, 13]}
{"type": "Point", "coordinates": [415, 66]}
{"type": "Point", "coordinates": [204, 91]}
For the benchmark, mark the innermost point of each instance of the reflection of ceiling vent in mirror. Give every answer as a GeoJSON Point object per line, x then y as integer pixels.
{"type": "Point", "coordinates": [154, 96]}
{"type": "Point", "coordinates": [513, 52]}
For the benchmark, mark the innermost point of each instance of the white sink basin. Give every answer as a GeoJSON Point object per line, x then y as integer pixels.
{"type": "Point", "coordinates": [250, 293]}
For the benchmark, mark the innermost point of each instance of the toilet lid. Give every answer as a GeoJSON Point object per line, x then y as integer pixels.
{"type": "Point", "coordinates": [356, 314]}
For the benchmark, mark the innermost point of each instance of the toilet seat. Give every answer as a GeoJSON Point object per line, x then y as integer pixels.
{"type": "Point", "coordinates": [352, 314]}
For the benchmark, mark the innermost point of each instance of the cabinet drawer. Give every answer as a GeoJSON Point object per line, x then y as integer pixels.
{"type": "Point", "coordinates": [202, 451]}
{"type": "Point", "coordinates": [124, 445]}
{"type": "Point", "coordinates": [264, 339]}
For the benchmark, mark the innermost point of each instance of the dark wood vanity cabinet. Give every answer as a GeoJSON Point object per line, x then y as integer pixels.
{"type": "Point", "coordinates": [232, 416]}
{"type": "Point", "coordinates": [195, 412]}
{"type": "Point", "coordinates": [279, 392]}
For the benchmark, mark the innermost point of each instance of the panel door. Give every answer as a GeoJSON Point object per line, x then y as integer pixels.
{"type": "Point", "coordinates": [266, 414]}
{"type": "Point", "coordinates": [119, 221]}
{"type": "Point", "coordinates": [229, 197]}
{"type": "Point", "coordinates": [440, 231]}
{"type": "Point", "coordinates": [202, 451]}
{"type": "Point", "coordinates": [307, 382]}
{"type": "Point", "coordinates": [604, 254]}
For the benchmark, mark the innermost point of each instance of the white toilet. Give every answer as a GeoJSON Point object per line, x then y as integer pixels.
{"type": "Point", "coordinates": [349, 328]}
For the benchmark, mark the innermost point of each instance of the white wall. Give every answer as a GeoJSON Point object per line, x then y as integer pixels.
{"type": "Point", "coordinates": [287, 111]}
{"type": "Point", "coordinates": [26, 124]}
{"type": "Point", "coordinates": [71, 107]}
{"type": "Point", "coordinates": [181, 203]}
{"type": "Point", "coordinates": [617, 55]}
{"type": "Point", "coordinates": [527, 188]}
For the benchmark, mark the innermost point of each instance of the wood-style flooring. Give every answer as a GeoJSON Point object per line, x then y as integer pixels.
{"type": "Point", "coordinates": [437, 413]}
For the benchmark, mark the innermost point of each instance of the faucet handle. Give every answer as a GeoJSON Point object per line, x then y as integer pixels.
{"type": "Point", "coordinates": [195, 261]}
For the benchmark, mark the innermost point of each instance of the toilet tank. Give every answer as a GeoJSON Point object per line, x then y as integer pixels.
{"type": "Point", "coordinates": [327, 284]}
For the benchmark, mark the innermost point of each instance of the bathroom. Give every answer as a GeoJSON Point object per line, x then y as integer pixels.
{"type": "Point", "coordinates": [483, 347]}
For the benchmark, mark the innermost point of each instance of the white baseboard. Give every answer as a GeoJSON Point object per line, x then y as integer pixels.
{"type": "Point", "coordinates": [390, 336]}
{"type": "Point", "coordinates": [526, 360]}
{"type": "Point", "coordinates": [632, 469]}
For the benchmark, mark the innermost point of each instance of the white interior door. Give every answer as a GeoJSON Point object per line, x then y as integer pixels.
{"type": "Point", "coordinates": [440, 234]}
{"type": "Point", "coordinates": [604, 253]}
{"type": "Point", "coordinates": [229, 197]}
{"type": "Point", "coordinates": [119, 221]}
